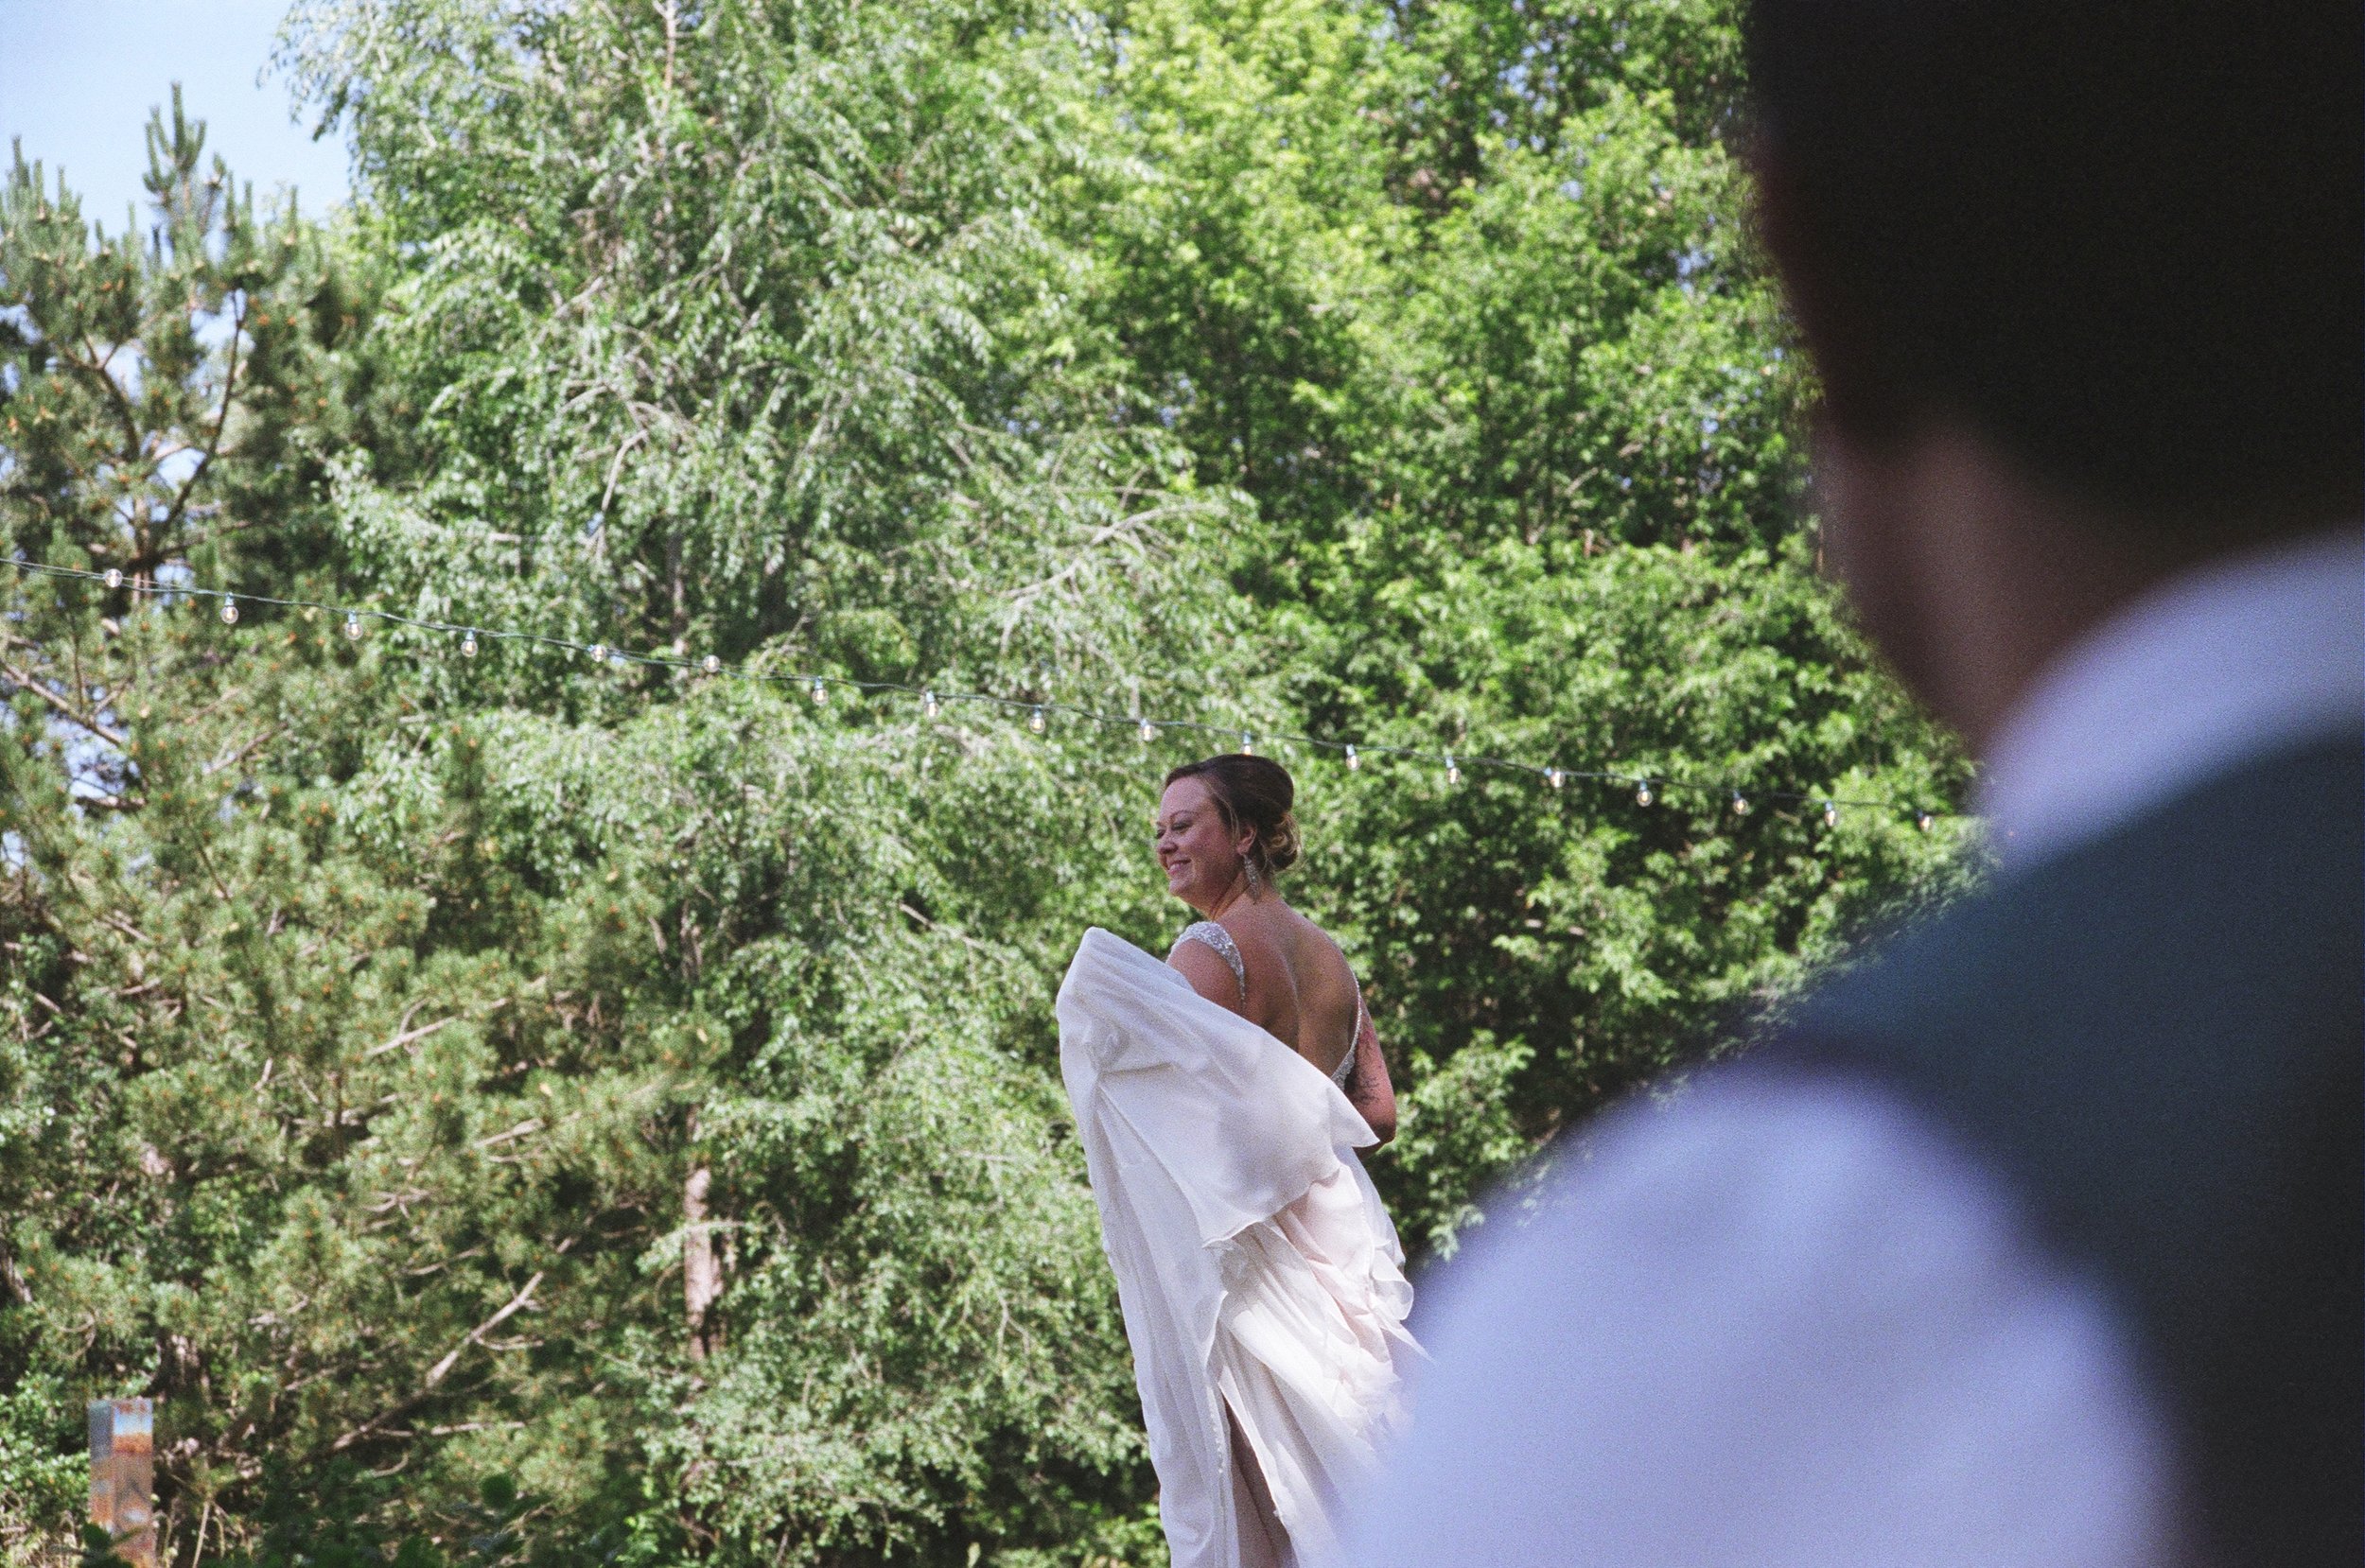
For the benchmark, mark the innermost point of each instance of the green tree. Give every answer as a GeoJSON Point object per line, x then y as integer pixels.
{"type": "Point", "coordinates": [748, 338]}
{"type": "Point", "coordinates": [168, 397]}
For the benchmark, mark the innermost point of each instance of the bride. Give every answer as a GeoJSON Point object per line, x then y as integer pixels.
{"type": "Point", "coordinates": [1220, 1097]}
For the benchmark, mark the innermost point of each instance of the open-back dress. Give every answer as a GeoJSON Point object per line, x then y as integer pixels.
{"type": "Point", "coordinates": [1258, 1274]}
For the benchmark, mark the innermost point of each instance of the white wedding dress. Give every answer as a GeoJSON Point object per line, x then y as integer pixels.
{"type": "Point", "coordinates": [1256, 1269]}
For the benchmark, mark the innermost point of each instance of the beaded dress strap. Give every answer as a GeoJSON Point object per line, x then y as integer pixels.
{"type": "Point", "coordinates": [1220, 939]}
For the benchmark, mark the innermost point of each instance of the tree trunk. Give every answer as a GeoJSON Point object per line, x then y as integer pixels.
{"type": "Point", "coordinates": [701, 1263]}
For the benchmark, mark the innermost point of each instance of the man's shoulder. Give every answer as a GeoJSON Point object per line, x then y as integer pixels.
{"type": "Point", "coordinates": [2246, 892]}
{"type": "Point", "coordinates": [2134, 1036]}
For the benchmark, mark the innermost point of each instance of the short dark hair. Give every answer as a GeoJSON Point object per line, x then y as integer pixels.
{"type": "Point", "coordinates": [1254, 793]}
{"type": "Point", "coordinates": [2123, 240]}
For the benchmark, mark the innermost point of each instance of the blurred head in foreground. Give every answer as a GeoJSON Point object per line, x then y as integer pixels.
{"type": "Point", "coordinates": [2083, 284]}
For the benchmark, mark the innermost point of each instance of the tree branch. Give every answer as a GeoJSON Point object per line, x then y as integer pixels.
{"type": "Point", "coordinates": [114, 738]}
{"type": "Point", "coordinates": [442, 1369]}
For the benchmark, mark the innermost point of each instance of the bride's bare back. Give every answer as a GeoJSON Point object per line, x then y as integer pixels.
{"type": "Point", "coordinates": [1299, 986]}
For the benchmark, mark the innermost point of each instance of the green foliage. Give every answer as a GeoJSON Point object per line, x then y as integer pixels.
{"type": "Point", "coordinates": [41, 1480]}
{"type": "Point", "coordinates": [98, 1549]}
{"type": "Point", "coordinates": [750, 337]}
{"type": "Point", "coordinates": [508, 1109]}
{"type": "Point", "coordinates": [328, 1519]}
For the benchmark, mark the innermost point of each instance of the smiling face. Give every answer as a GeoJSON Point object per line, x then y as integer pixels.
{"type": "Point", "coordinates": [1200, 854]}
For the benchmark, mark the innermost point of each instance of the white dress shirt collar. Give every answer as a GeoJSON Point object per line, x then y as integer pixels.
{"type": "Point", "coordinates": [2223, 662]}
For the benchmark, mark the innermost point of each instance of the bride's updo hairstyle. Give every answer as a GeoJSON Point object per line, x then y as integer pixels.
{"type": "Point", "coordinates": [1253, 794]}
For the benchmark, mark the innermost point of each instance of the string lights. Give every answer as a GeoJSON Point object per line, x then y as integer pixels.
{"type": "Point", "coordinates": [1647, 788]}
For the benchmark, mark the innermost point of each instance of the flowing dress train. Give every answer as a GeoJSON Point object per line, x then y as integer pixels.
{"type": "Point", "coordinates": [1259, 1276]}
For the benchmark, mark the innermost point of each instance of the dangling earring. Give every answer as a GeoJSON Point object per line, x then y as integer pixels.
{"type": "Point", "coordinates": [1256, 883]}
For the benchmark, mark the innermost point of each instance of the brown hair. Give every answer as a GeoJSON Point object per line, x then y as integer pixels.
{"type": "Point", "coordinates": [1254, 794]}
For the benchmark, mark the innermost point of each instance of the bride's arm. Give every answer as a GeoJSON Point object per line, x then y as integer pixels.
{"type": "Point", "coordinates": [1368, 1088]}
{"type": "Point", "coordinates": [1209, 975]}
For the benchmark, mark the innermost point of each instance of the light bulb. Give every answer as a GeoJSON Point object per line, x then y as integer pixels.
{"type": "Point", "coordinates": [929, 705]}
{"type": "Point", "coordinates": [1248, 744]}
{"type": "Point", "coordinates": [468, 645]}
{"type": "Point", "coordinates": [1925, 821]}
{"type": "Point", "coordinates": [1555, 777]}
{"type": "Point", "coordinates": [228, 612]}
{"type": "Point", "coordinates": [1830, 813]}
{"type": "Point", "coordinates": [1741, 804]}
{"type": "Point", "coordinates": [1453, 770]}
{"type": "Point", "coordinates": [1642, 795]}
{"type": "Point", "coordinates": [114, 577]}
{"type": "Point", "coordinates": [1353, 763]}
{"type": "Point", "coordinates": [353, 626]}
{"type": "Point", "coordinates": [1149, 732]}
{"type": "Point", "coordinates": [820, 691]}
{"type": "Point", "coordinates": [1036, 720]}
{"type": "Point", "coordinates": [710, 664]}
{"type": "Point", "coordinates": [599, 652]}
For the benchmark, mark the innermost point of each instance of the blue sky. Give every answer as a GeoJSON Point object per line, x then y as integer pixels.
{"type": "Point", "coordinates": [78, 78]}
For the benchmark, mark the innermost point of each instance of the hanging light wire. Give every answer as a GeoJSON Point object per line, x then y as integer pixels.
{"type": "Point", "coordinates": [1647, 786]}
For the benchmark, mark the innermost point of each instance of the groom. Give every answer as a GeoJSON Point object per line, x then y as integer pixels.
{"type": "Point", "coordinates": [2036, 1238]}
